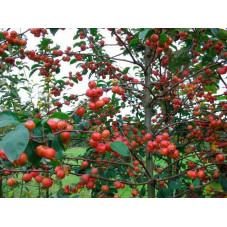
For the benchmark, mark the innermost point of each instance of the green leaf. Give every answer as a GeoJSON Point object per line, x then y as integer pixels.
{"type": "Point", "coordinates": [175, 184]}
{"type": "Point", "coordinates": [223, 34]}
{"type": "Point", "coordinates": [60, 115]}
{"type": "Point", "coordinates": [143, 34]}
{"type": "Point", "coordinates": [164, 193]}
{"type": "Point", "coordinates": [76, 118]}
{"type": "Point", "coordinates": [223, 182]}
{"type": "Point", "coordinates": [10, 48]}
{"type": "Point", "coordinates": [58, 146]}
{"type": "Point", "coordinates": [196, 182]}
{"type": "Point", "coordinates": [15, 142]}
{"type": "Point", "coordinates": [32, 72]}
{"type": "Point", "coordinates": [8, 118]}
{"type": "Point", "coordinates": [53, 31]}
{"type": "Point", "coordinates": [84, 124]}
{"type": "Point", "coordinates": [73, 61]}
{"type": "Point", "coordinates": [215, 31]}
{"type": "Point", "coordinates": [120, 147]}
{"type": "Point", "coordinates": [30, 151]}
{"type": "Point", "coordinates": [163, 38]}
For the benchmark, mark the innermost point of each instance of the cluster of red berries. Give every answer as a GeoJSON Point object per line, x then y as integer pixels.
{"type": "Point", "coordinates": [163, 145]}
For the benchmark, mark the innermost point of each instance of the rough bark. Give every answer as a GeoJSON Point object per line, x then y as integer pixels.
{"type": "Point", "coordinates": [148, 115]}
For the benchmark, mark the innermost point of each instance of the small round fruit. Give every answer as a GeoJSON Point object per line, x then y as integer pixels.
{"type": "Point", "coordinates": [23, 159]}
{"type": "Point", "coordinates": [40, 150]}
{"type": "Point", "coordinates": [39, 179]}
{"type": "Point", "coordinates": [96, 136]}
{"type": "Point", "coordinates": [106, 134]}
{"type": "Point", "coordinates": [61, 174]}
{"type": "Point", "coordinates": [105, 188]}
{"type": "Point", "coordinates": [11, 182]}
{"type": "Point", "coordinates": [134, 192]}
{"type": "Point", "coordinates": [30, 125]}
{"type": "Point", "coordinates": [85, 178]}
{"type": "Point", "coordinates": [47, 182]}
{"type": "Point", "coordinates": [49, 153]}
{"type": "Point", "coordinates": [80, 111]}
{"type": "Point", "coordinates": [27, 177]}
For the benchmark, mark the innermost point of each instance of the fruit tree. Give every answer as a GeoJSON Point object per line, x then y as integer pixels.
{"type": "Point", "coordinates": [148, 105]}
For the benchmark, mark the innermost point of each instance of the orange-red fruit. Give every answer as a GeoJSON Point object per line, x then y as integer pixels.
{"type": "Point", "coordinates": [53, 124]}
{"type": "Point", "coordinates": [49, 153]}
{"type": "Point", "coordinates": [11, 182]}
{"type": "Point", "coordinates": [117, 184]}
{"type": "Point", "coordinates": [96, 136]}
{"type": "Point", "coordinates": [62, 124]}
{"type": "Point", "coordinates": [106, 134]}
{"type": "Point", "coordinates": [154, 38]}
{"type": "Point", "coordinates": [85, 178]}
{"type": "Point", "coordinates": [40, 150]}
{"type": "Point", "coordinates": [23, 159]}
{"type": "Point", "coordinates": [220, 158]}
{"type": "Point", "coordinates": [47, 182]}
{"type": "Point", "coordinates": [90, 185]}
{"type": "Point", "coordinates": [30, 125]}
{"type": "Point", "coordinates": [105, 188]}
{"type": "Point", "coordinates": [27, 177]}
{"type": "Point", "coordinates": [61, 174]}
{"type": "Point", "coordinates": [65, 136]}
{"type": "Point", "coordinates": [39, 179]}
{"type": "Point", "coordinates": [134, 192]}
{"type": "Point", "coordinates": [80, 111]}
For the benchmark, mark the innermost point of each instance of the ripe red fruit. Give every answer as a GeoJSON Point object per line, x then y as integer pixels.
{"type": "Point", "coordinates": [80, 111]}
{"type": "Point", "coordinates": [93, 143]}
{"type": "Point", "coordinates": [220, 158]}
{"type": "Point", "coordinates": [65, 136]}
{"type": "Point", "coordinates": [13, 34]}
{"type": "Point", "coordinates": [154, 38]}
{"type": "Point", "coordinates": [105, 134]}
{"type": "Point", "coordinates": [3, 155]}
{"type": "Point", "coordinates": [84, 164]}
{"type": "Point", "coordinates": [27, 177]}
{"type": "Point", "coordinates": [117, 184]}
{"type": "Point", "coordinates": [134, 192]}
{"type": "Point", "coordinates": [90, 185]}
{"type": "Point", "coordinates": [23, 159]}
{"type": "Point", "coordinates": [57, 168]}
{"type": "Point", "coordinates": [192, 174]}
{"type": "Point", "coordinates": [96, 136]}
{"type": "Point", "coordinates": [91, 84]}
{"type": "Point", "coordinates": [85, 178]}
{"type": "Point", "coordinates": [201, 174]}
{"type": "Point", "coordinates": [49, 153]}
{"type": "Point", "coordinates": [98, 92]}
{"type": "Point", "coordinates": [47, 182]}
{"type": "Point", "coordinates": [90, 93]}
{"type": "Point", "coordinates": [61, 125]}
{"type": "Point", "coordinates": [39, 179]}
{"type": "Point", "coordinates": [147, 136]}
{"type": "Point", "coordinates": [30, 125]}
{"type": "Point", "coordinates": [53, 124]}
{"type": "Point", "coordinates": [105, 188]}
{"type": "Point", "coordinates": [101, 148]}
{"type": "Point", "coordinates": [94, 171]}
{"type": "Point", "coordinates": [11, 182]}
{"type": "Point", "coordinates": [136, 163]}
{"type": "Point", "coordinates": [61, 174]}
{"type": "Point", "coordinates": [40, 150]}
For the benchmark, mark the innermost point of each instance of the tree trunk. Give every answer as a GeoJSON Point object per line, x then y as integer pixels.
{"type": "Point", "coordinates": [1, 187]}
{"type": "Point", "coordinates": [148, 115]}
